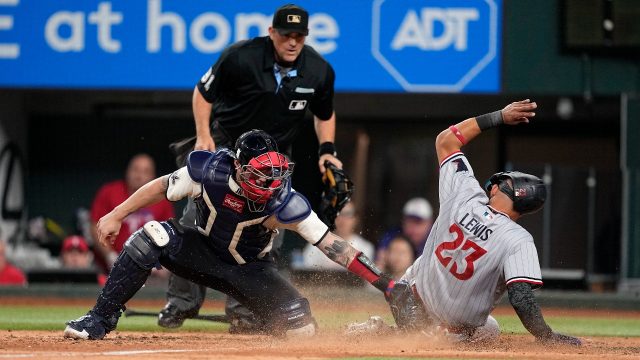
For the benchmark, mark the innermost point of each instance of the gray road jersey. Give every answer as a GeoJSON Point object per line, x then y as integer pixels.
{"type": "Point", "coordinates": [472, 252]}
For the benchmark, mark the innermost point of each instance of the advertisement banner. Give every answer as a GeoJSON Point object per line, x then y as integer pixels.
{"type": "Point", "coordinates": [373, 45]}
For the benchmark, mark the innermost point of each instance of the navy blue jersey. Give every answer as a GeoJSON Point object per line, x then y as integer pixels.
{"type": "Point", "coordinates": [237, 234]}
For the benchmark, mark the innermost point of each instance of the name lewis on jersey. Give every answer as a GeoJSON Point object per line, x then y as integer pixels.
{"type": "Point", "coordinates": [475, 227]}
{"type": "Point", "coordinates": [233, 203]}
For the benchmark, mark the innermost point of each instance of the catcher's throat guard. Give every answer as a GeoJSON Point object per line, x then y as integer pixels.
{"type": "Point", "coordinates": [337, 192]}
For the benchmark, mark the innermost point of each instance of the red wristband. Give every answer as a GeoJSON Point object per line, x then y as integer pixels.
{"type": "Point", "coordinates": [363, 267]}
{"type": "Point", "coordinates": [365, 271]}
{"type": "Point", "coordinates": [458, 134]}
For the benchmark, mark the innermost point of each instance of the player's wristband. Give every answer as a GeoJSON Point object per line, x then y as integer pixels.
{"type": "Point", "coordinates": [327, 148]}
{"type": "Point", "coordinates": [490, 120]}
{"type": "Point", "coordinates": [458, 134]}
{"type": "Point", "coordinates": [363, 267]}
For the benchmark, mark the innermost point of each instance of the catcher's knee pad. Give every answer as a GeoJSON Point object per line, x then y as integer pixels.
{"type": "Point", "coordinates": [145, 245]}
{"type": "Point", "coordinates": [294, 318]}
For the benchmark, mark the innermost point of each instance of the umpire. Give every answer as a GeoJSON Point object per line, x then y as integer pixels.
{"type": "Point", "coordinates": [264, 83]}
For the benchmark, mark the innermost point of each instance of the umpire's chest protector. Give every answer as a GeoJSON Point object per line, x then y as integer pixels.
{"type": "Point", "coordinates": [223, 216]}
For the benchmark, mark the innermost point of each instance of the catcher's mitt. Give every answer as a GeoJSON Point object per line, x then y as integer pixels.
{"type": "Point", "coordinates": [337, 192]}
{"type": "Point", "coordinates": [181, 149]}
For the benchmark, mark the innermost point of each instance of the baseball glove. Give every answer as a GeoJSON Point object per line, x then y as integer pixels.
{"type": "Point", "coordinates": [181, 149]}
{"type": "Point", "coordinates": [337, 192]}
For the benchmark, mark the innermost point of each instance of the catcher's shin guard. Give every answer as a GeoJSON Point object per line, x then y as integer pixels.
{"type": "Point", "coordinates": [294, 319]}
{"type": "Point", "coordinates": [132, 268]}
{"type": "Point", "coordinates": [125, 279]}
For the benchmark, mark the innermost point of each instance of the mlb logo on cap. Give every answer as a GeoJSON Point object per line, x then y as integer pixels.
{"type": "Point", "coordinates": [294, 19]}
{"type": "Point", "coordinates": [291, 18]}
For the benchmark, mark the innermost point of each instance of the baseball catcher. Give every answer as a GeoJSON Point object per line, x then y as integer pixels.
{"type": "Point", "coordinates": [242, 197]}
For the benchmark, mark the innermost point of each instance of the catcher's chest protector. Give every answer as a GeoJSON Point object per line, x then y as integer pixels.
{"type": "Point", "coordinates": [223, 215]}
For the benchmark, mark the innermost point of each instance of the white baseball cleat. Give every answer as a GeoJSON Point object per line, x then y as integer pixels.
{"type": "Point", "coordinates": [72, 333]}
{"type": "Point", "coordinates": [373, 326]}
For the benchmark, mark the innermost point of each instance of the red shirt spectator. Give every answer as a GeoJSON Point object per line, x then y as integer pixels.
{"type": "Point", "coordinates": [141, 170]}
{"type": "Point", "coordinates": [9, 274]}
{"type": "Point", "coordinates": [113, 194]}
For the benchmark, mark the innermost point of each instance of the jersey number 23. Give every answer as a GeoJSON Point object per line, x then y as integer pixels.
{"type": "Point", "coordinates": [475, 252]}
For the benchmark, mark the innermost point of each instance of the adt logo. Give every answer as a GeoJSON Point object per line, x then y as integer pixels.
{"type": "Point", "coordinates": [436, 45]}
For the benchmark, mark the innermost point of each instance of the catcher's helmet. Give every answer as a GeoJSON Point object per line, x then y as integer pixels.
{"type": "Point", "coordinates": [528, 193]}
{"type": "Point", "coordinates": [253, 143]}
{"type": "Point", "coordinates": [262, 168]}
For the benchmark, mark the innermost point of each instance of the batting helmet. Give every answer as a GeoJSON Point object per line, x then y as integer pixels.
{"type": "Point", "coordinates": [528, 193]}
{"type": "Point", "coordinates": [262, 168]}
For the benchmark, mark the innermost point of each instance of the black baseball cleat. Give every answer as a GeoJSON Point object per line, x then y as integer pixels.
{"type": "Point", "coordinates": [172, 317]}
{"type": "Point", "coordinates": [91, 326]}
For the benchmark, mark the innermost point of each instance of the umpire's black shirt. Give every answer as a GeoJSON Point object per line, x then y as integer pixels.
{"type": "Point", "coordinates": [243, 89]}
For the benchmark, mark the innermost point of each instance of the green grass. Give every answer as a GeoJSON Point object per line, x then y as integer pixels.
{"type": "Point", "coordinates": [579, 326]}
{"type": "Point", "coordinates": [54, 317]}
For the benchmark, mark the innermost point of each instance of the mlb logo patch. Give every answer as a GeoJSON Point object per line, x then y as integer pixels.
{"type": "Point", "coordinates": [521, 192]}
{"type": "Point", "coordinates": [297, 104]}
{"type": "Point", "coordinates": [487, 215]}
{"type": "Point", "coordinates": [296, 19]}
{"type": "Point", "coordinates": [233, 203]}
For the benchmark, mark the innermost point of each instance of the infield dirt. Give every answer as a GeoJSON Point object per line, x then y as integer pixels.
{"type": "Point", "coordinates": [327, 345]}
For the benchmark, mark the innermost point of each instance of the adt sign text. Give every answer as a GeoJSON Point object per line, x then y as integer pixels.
{"type": "Point", "coordinates": [436, 46]}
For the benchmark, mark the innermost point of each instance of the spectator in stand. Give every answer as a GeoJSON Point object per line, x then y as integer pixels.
{"type": "Point", "coordinates": [346, 223]}
{"type": "Point", "coordinates": [141, 170]}
{"type": "Point", "coordinates": [417, 218]}
{"type": "Point", "coordinates": [75, 254]}
{"type": "Point", "coordinates": [400, 255]}
{"type": "Point", "coordinates": [9, 274]}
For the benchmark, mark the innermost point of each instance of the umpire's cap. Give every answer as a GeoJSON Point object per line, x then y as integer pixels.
{"type": "Point", "coordinates": [528, 193]}
{"type": "Point", "coordinates": [291, 18]}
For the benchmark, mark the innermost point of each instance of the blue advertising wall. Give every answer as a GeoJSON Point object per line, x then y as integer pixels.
{"type": "Point", "coordinates": [374, 45]}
